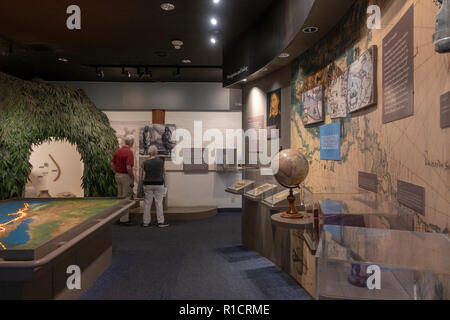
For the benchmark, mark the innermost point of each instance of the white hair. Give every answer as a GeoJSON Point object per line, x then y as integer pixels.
{"type": "Point", "coordinates": [129, 140]}
{"type": "Point", "coordinates": [153, 151]}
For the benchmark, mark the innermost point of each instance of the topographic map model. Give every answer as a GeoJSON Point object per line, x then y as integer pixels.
{"type": "Point", "coordinates": [27, 225]}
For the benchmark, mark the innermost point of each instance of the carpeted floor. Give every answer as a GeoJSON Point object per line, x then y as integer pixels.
{"type": "Point", "coordinates": [195, 260]}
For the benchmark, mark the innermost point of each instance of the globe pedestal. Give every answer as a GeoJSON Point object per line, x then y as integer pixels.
{"type": "Point", "coordinates": [292, 212]}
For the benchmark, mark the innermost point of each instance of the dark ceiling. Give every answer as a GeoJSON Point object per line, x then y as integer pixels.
{"type": "Point", "coordinates": [116, 33]}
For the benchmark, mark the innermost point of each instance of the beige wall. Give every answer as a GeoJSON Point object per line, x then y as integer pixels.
{"type": "Point", "coordinates": [401, 150]}
{"type": "Point", "coordinates": [45, 171]}
{"type": "Point", "coordinates": [187, 190]}
{"type": "Point", "coordinates": [255, 100]}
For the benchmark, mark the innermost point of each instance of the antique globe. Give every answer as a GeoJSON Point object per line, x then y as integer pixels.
{"type": "Point", "coordinates": [290, 169]}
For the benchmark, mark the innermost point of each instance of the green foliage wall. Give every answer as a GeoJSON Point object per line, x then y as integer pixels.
{"type": "Point", "coordinates": [31, 112]}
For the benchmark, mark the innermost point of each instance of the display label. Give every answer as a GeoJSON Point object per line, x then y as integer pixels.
{"type": "Point", "coordinates": [398, 70]}
{"type": "Point", "coordinates": [445, 110]}
{"type": "Point", "coordinates": [368, 181]}
{"type": "Point", "coordinates": [330, 142]}
{"type": "Point", "coordinates": [411, 196]}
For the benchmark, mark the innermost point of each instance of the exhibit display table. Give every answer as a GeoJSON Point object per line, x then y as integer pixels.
{"type": "Point", "coordinates": [43, 239]}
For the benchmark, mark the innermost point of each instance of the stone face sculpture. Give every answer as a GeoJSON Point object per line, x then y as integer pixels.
{"type": "Point", "coordinates": [441, 38]}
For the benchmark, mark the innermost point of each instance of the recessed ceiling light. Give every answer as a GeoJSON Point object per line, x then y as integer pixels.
{"type": "Point", "coordinates": [213, 40]}
{"type": "Point", "coordinates": [310, 30]}
{"type": "Point", "coordinates": [284, 55]}
{"type": "Point", "coordinates": [245, 80]}
{"type": "Point", "coordinates": [167, 6]}
{"type": "Point", "coordinates": [216, 1]}
{"type": "Point", "coordinates": [214, 21]}
{"type": "Point", "coordinates": [63, 59]}
{"type": "Point", "coordinates": [186, 61]}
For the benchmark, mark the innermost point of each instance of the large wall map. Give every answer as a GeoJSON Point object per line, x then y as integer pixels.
{"type": "Point", "coordinates": [401, 150]}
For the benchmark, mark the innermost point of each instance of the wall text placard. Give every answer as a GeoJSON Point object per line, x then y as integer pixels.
{"type": "Point", "coordinates": [411, 196]}
{"type": "Point", "coordinates": [368, 181]}
{"type": "Point", "coordinates": [445, 110]}
{"type": "Point", "coordinates": [398, 70]}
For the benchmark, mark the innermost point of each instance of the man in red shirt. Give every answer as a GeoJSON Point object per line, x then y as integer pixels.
{"type": "Point", "coordinates": [122, 164]}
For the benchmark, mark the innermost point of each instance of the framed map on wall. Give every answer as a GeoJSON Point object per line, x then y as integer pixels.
{"type": "Point", "coordinates": [362, 81]}
{"type": "Point", "coordinates": [312, 101]}
{"type": "Point", "coordinates": [337, 97]}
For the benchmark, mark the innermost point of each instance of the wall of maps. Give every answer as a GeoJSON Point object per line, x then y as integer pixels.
{"type": "Point", "coordinates": [414, 149]}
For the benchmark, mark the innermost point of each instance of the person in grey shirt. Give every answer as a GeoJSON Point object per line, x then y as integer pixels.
{"type": "Point", "coordinates": [153, 185]}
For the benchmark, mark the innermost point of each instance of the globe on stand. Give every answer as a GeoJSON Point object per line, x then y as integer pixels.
{"type": "Point", "coordinates": [290, 169]}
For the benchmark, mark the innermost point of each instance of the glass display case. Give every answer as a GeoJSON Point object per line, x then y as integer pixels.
{"type": "Point", "coordinates": [261, 191]}
{"type": "Point", "coordinates": [241, 187]}
{"type": "Point", "coordinates": [412, 265]}
{"type": "Point", "coordinates": [360, 233]}
{"type": "Point", "coordinates": [277, 199]}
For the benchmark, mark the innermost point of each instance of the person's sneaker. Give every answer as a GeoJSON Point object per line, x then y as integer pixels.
{"type": "Point", "coordinates": [163, 225]}
{"type": "Point", "coordinates": [146, 225]}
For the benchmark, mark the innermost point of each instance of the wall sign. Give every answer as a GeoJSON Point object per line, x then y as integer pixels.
{"type": "Point", "coordinates": [330, 142]}
{"type": "Point", "coordinates": [398, 70]}
{"type": "Point", "coordinates": [411, 196]}
{"type": "Point", "coordinates": [445, 110]}
{"type": "Point", "coordinates": [195, 161]}
{"type": "Point", "coordinates": [368, 181]}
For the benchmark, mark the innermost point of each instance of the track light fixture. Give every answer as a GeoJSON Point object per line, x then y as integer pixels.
{"type": "Point", "coordinates": [126, 72]}
{"type": "Point", "coordinates": [99, 72]}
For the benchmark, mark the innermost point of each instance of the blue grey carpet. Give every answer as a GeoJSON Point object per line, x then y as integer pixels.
{"type": "Point", "coordinates": [195, 260]}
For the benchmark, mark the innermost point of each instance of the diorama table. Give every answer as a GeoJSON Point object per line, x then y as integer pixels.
{"type": "Point", "coordinates": [41, 238]}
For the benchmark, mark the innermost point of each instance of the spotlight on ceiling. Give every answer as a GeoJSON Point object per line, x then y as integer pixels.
{"type": "Point", "coordinates": [310, 30]}
{"type": "Point", "coordinates": [213, 21]}
{"type": "Point", "coordinates": [284, 55]}
{"type": "Point", "coordinates": [177, 44]}
{"type": "Point", "coordinates": [167, 6]}
{"type": "Point", "coordinates": [213, 40]}
{"type": "Point", "coordinates": [63, 59]}
{"type": "Point", "coordinates": [244, 80]}
{"type": "Point", "coordinates": [99, 72]}
{"type": "Point", "coordinates": [216, 1]}
{"type": "Point", "coordinates": [126, 73]}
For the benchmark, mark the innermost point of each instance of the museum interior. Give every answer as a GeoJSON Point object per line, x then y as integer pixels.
{"type": "Point", "coordinates": [302, 149]}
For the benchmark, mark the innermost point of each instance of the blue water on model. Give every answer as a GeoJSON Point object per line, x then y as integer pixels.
{"type": "Point", "coordinates": [19, 235]}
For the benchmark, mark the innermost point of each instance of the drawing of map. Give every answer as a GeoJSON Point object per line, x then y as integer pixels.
{"type": "Point", "coordinates": [313, 106]}
{"type": "Point", "coordinates": [337, 97]}
{"type": "Point", "coordinates": [362, 81]}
